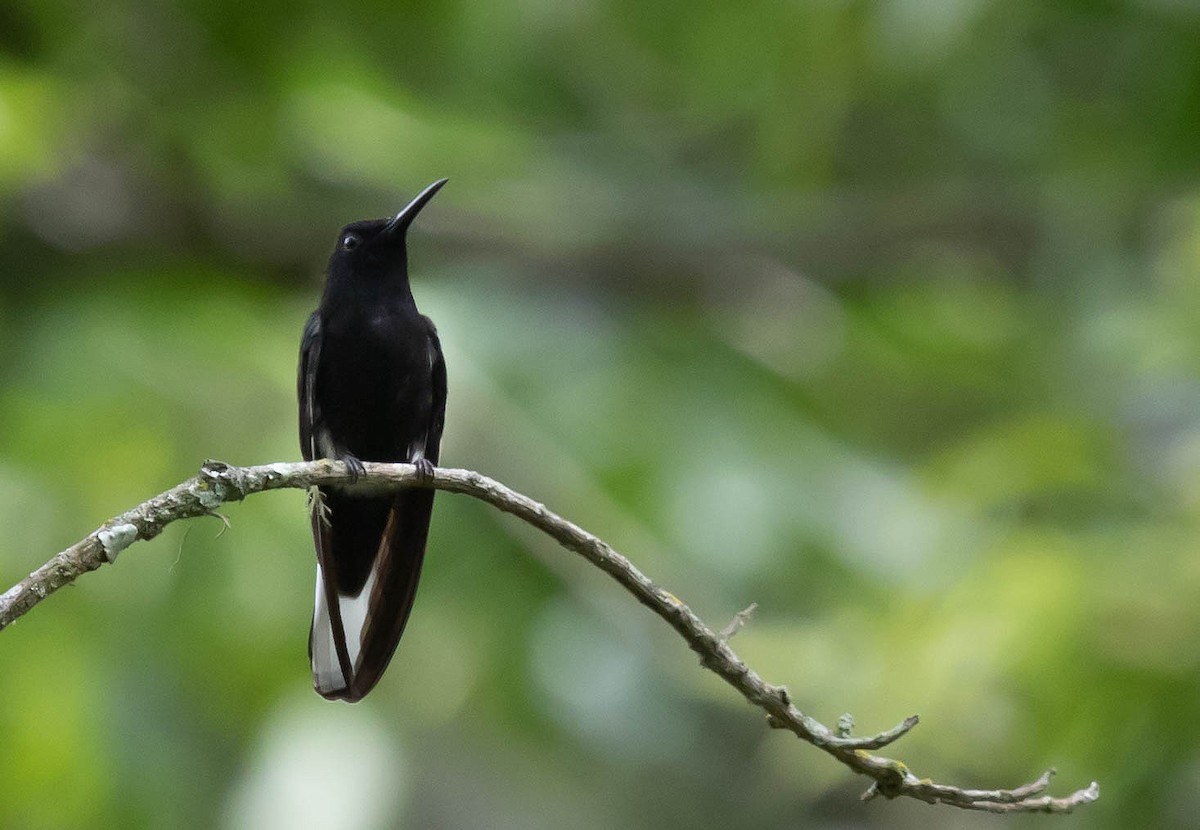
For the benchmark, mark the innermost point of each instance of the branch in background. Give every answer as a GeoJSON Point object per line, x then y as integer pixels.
{"type": "Point", "coordinates": [218, 483]}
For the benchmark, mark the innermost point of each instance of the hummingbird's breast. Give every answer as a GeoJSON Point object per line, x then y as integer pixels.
{"type": "Point", "coordinates": [381, 395]}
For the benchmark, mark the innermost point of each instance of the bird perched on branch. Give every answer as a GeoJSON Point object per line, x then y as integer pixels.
{"type": "Point", "coordinates": [372, 387]}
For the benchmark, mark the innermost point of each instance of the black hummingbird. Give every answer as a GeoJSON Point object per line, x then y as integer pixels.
{"type": "Point", "coordinates": [372, 387]}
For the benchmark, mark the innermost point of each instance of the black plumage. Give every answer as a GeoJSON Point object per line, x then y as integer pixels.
{"type": "Point", "coordinates": [372, 387]}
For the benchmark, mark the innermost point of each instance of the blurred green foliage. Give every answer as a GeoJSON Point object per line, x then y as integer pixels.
{"type": "Point", "coordinates": [880, 314]}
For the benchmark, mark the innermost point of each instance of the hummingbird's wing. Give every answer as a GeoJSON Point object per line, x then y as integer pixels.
{"type": "Point", "coordinates": [327, 648]}
{"type": "Point", "coordinates": [437, 369]}
{"type": "Point", "coordinates": [369, 548]}
{"type": "Point", "coordinates": [310, 355]}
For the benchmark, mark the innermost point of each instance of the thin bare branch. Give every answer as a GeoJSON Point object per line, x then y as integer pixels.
{"type": "Point", "coordinates": [877, 741]}
{"type": "Point", "coordinates": [218, 483]}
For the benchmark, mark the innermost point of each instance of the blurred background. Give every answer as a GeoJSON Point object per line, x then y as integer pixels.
{"type": "Point", "coordinates": [882, 315]}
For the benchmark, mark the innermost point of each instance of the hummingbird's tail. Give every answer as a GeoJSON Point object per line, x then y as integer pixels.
{"type": "Point", "coordinates": [369, 555]}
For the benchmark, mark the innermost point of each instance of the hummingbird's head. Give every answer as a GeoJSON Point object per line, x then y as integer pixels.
{"type": "Point", "coordinates": [374, 248]}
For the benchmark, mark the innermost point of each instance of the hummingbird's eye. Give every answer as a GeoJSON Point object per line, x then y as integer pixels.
{"type": "Point", "coordinates": [350, 241]}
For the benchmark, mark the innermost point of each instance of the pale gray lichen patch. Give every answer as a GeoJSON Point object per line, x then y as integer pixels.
{"type": "Point", "coordinates": [209, 498]}
{"type": "Point", "coordinates": [115, 539]}
{"type": "Point", "coordinates": [278, 469]}
{"type": "Point", "coordinates": [317, 506]}
{"type": "Point", "coordinates": [9, 595]}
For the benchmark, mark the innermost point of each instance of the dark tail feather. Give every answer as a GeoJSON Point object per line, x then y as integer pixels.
{"type": "Point", "coordinates": [403, 551]}
{"type": "Point", "coordinates": [370, 557]}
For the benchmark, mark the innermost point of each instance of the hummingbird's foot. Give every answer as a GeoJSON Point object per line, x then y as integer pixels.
{"type": "Point", "coordinates": [354, 465]}
{"type": "Point", "coordinates": [424, 469]}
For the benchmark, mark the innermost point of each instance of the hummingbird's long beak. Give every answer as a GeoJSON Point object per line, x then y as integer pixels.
{"type": "Point", "coordinates": [404, 218]}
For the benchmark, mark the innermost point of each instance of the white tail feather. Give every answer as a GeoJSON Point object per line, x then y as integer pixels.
{"type": "Point", "coordinates": [354, 616]}
{"type": "Point", "coordinates": [326, 669]}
